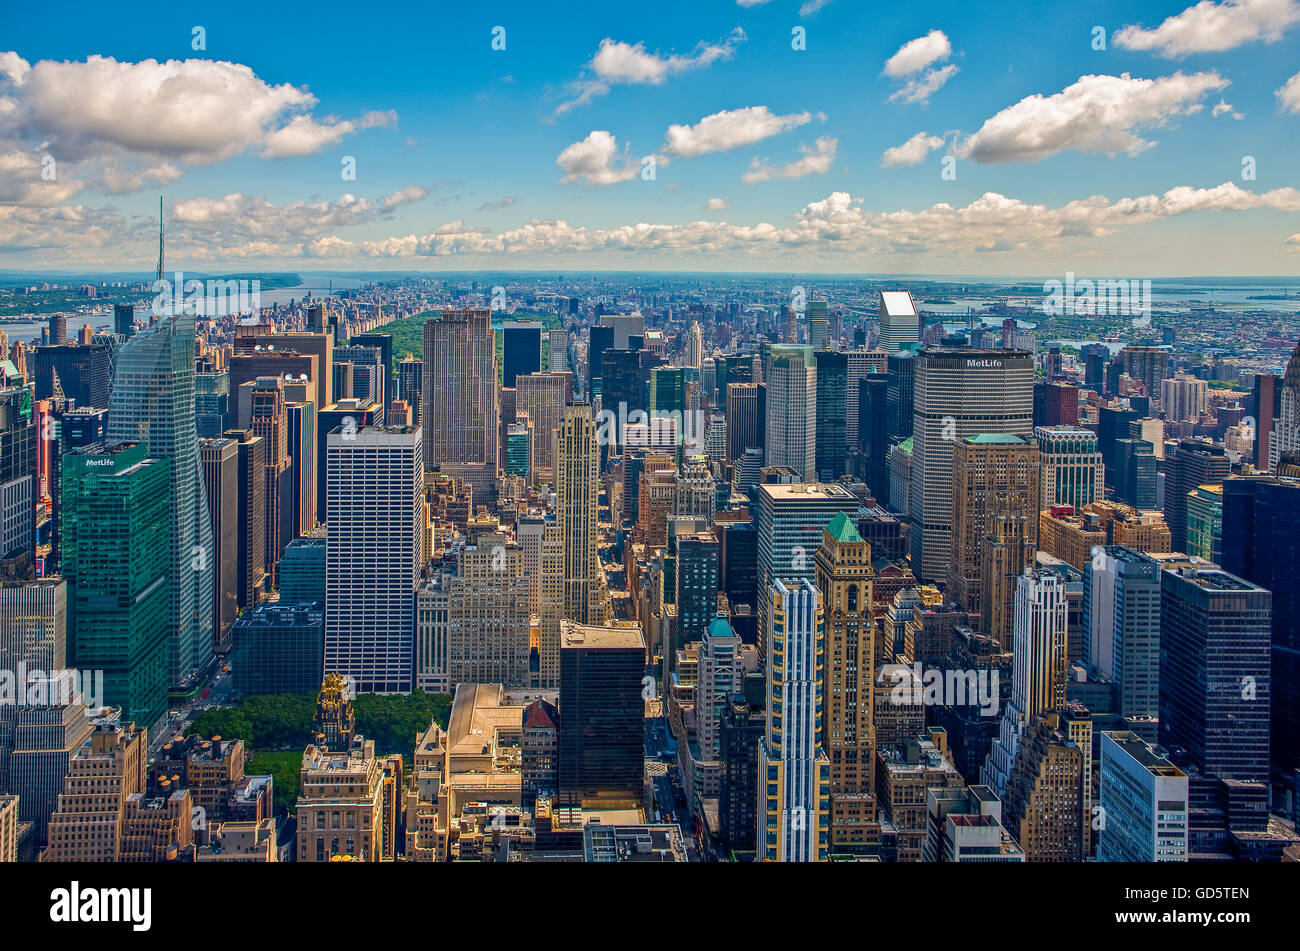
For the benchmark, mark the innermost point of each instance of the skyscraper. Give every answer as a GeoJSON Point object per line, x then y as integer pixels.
{"type": "Point", "coordinates": [459, 389]}
{"type": "Point", "coordinates": [220, 460]}
{"type": "Point", "coordinates": [1286, 428]}
{"type": "Point", "coordinates": [521, 351]}
{"type": "Point", "coordinates": [995, 486]}
{"type": "Point", "coordinates": [844, 577]}
{"type": "Point", "coordinates": [831, 446]}
{"type": "Point", "coordinates": [1037, 669]}
{"type": "Point", "coordinates": [1214, 671]}
{"type": "Point", "coordinates": [899, 321]}
{"type": "Point", "coordinates": [794, 772]}
{"type": "Point", "coordinates": [117, 562]}
{"type": "Point", "coordinates": [152, 403]}
{"type": "Point", "coordinates": [1261, 544]}
{"type": "Point", "coordinates": [1121, 625]}
{"type": "Point", "coordinates": [374, 554]}
{"type": "Point", "coordinates": [602, 714]}
{"type": "Point", "coordinates": [791, 426]}
{"type": "Point", "coordinates": [746, 418]}
{"type": "Point", "coordinates": [1073, 472]}
{"type": "Point", "coordinates": [958, 393]}
{"type": "Point", "coordinates": [1191, 464]}
{"type": "Point", "coordinates": [1144, 801]}
{"type": "Point", "coordinates": [577, 473]}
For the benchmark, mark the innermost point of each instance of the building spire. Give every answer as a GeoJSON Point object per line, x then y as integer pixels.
{"type": "Point", "coordinates": [158, 276]}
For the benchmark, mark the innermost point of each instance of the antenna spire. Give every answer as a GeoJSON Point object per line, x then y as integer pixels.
{"type": "Point", "coordinates": [158, 277]}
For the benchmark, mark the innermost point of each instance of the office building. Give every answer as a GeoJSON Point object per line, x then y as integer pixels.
{"type": "Point", "coordinates": [375, 532]}
{"type": "Point", "coordinates": [1121, 627]}
{"type": "Point", "coordinates": [521, 349]}
{"type": "Point", "coordinates": [87, 823]}
{"type": "Point", "coordinates": [152, 403]}
{"type": "Point", "coordinates": [1187, 466]}
{"type": "Point", "coordinates": [844, 577]}
{"type": "Point", "coordinates": [601, 746]}
{"type": "Point", "coordinates": [461, 410]}
{"type": "Point", "coordinates": [577, 465]}
{"type": "Point", "coordinates": [116, 560]}
{"type": "Point", "coordinates": [794, 772]}
{"type": "Point", "coordinates": [1073, 472]}
{"type": "Point", "coordinates": [1144, 800]}
{"type": "Point", "coordinates": [220, 460]}
{"type": "Point", "coordinates": [790, 429]}
{"type": "Point", "coordinates": [899, 322]}
{"type": "Point", "coordinates": [831, 445]}
{"type": "Point", "coordinates": [958, 393]}
{"type": "Point", "coordinates": [280, 649]}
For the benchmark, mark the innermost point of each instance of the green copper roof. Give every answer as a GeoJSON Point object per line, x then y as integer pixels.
{"type": "Point", "coordinates": [719, 627]}
{"type": "Point", "coordinates": [842, 529]}
{"type": "Point", "coordinates": [906, 445]}
{"type": "Point", "coordinates": [997, 438]}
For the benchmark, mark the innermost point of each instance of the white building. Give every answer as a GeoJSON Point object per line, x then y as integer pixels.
{"type": "Point", "coordinates": [1143, 804]}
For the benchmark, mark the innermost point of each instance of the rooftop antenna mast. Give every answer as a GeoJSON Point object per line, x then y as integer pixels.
{"type": "Point", "coordinates": [158, 276]}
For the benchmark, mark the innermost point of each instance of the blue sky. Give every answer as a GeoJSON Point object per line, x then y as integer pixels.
{"type": "Point", "coordinates": [445, 131]}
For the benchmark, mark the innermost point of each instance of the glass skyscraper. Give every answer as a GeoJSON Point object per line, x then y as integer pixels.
{"type": "Point", "coordinates": [152, 402]}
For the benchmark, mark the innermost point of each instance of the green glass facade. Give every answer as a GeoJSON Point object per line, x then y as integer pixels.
{"type": "Point", "coordinates": [116, 523]}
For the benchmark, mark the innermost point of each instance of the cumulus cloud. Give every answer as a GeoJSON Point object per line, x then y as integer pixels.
{"type": "Point", "coordinates": [1289, 94]}
{"type": "Point", "coordinates": [1096, 114]}
{"type": "Point", "coordinates": [1225, 108]}
{"type": "Point", "coordinates": [730, 129]}
{"type": "Point", "coordinates": [911, 152]}
{"type": "Point", "coordinates": [914, 64]}
{"type": "Point", "coordinates": [593, 161]}
{"type": "Point", "coordinates": [1211, 27]}
{"type": "Point", "coordinates": [836, 224]}
{"type": "Point", "coordinates": [304, 135]}
{"type": "Point", "coordinates": [717, 204]}
{"type": "Point", "coordinates": [817, 159]}
{"type": "Point", "coordinates": [616, 62]}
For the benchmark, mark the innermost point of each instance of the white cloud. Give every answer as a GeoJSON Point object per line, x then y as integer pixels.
{"type": "Point", "coordinates": [1211, 27]}
{"type": "Point", "coordinates": [1293, 243]}
{"type": "Point", "coordinates": [915, 55]}
{"type": "Point", "coordinates": [717, 204]}
{"type": "Point", "coordinates": [304, 135]}
{"type": "Point", "coordinates": [499, 204]}
{"type": "Point", "coordinates": [730, 129]}
{"type": "Point", "coordinates": [592, 161]}
{"type": "Point", "coordinates": [616, 62]}
{"type": "Point", "coordinates": [751, 3]}
{"type": "Point", "coordinates": [120, 126]}
{"type": "Point", "coordinates": [911, 152]}
{"type": "Point", "coordinates": [809, 7]}
{"type": "Point", "coordinates": [1289, 94]}
{"type": "Point", "coordinates": [817, 159]}
{"type": "Point", "coordinates": [1096, 114]}
{"type": "Point", "coordinates": [924, 86]}
{"type": "Point", "coordinates": [1225, 108]}
{"type": "Point", "coordinates": [918, 56]}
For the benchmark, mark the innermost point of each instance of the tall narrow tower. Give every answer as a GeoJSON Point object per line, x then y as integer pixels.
{"type": "Point", "coordinates": [577, 472]}
{"type": "Point", "coordinates": [844, 577]}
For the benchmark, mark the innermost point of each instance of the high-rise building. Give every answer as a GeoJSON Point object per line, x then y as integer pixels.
{"type": "Point", "coordinates": [1205, 522]}
{"type": "Point", "coordinates": [375, 530]}
{"type": "Point", "coordinates": [844, 577]}
{"type": "Point", "coordinates": [746, 418]}
{"type": "Point", "coordinates": [861, 365]}
{"type": "Point", "coordinates": [789, 529]}
{"type": "Point", "coordinates": [269, 418]}
{"type": "Point", "coordinates": [33, 629]}
{"type": "Point", "coordinates": [958, 393]}
{"type": "Point", "coordinates": [831, 445]}
{"type": "Point", "coordinates": [900, 394]}
{"type": "Point", "coordinates": [1044, 803]}
{"type": "Point", "coordinates": [18, 489]}
{"type": "Point", "coordinates": [1183, 397]}
{"type": "Point", "coordinates": [1144, 801]}
{"type": "Point", "coordinates": [87, 824]}
{"type": "Point", "coordinates": [220, 460]}
{"type": "Point", "coordinates": [250, 573]}
{"type": "Point", "coordinates": [487, 614]}
{"type": "Point", "coordinates": [1121, 627]}
{"type": "Point", "coordinates": [794, 771]}
{"type": "Point", "coordinates": [1191, 464]}
{"type": "Point", "coordinates": [995, 487]}
{"type": "Point", "coordinates": [1214, 671]}
{"type": "Point", "coordinates": [577, 472]}
{"type": "Point", "coordinates": [602, 713]}
{"type": "Point", "coordinates": [153, 403]}
{"type": "Point", "coordinates": [124, 319]}
{"type": "Point", "coordinates": [557, 357]}
{"type": "Point", "coordinates": [1037, 672]}
{"type": "Point", "coordinates": [1073, 472]}
{"type": "Point", "coordinates": [80, 373]}
{"type": "Point", "coordinates": [697, 582]}
{"type": "Point", "coordinates": [1261, 544]}
{"type": "Point", "coordinates": [790, 429]}
{"type": "Point", "coordinates": [819, 324]}
{"type": "Point", "coordinates": [459, 389]}
{"type": "Point", "coordinates": [873, 435]}
{"type": "Point", "coordinates": [116, 559]}
{"type": "Point", "coordinates": [521, 352]}
{"type": "Point", "coordinates": [542, 397]}
{"type": "Point", "coordinates": [1135, 473]}
{"type": "Point", "coordinates": [899, 321]}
